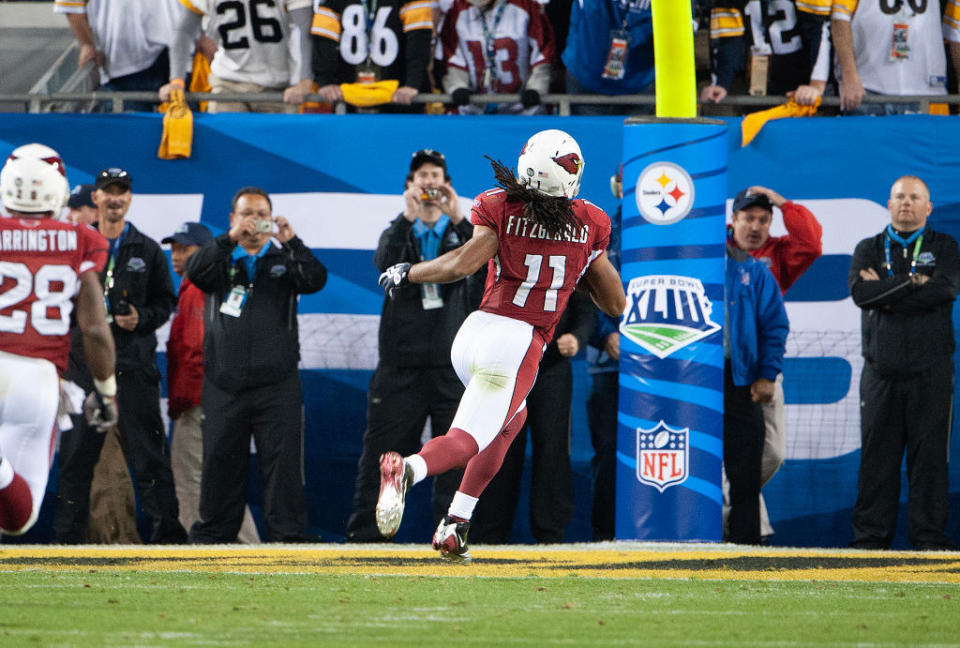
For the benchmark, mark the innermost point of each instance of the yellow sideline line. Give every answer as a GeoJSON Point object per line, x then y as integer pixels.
{"type": "Point", "coordinates": [510, 562]}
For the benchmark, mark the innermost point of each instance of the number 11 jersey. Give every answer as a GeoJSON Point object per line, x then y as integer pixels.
{"type": "Point", "coordinates": [41, 261]}
{"type": "Point", "coordinates": [533, 273]}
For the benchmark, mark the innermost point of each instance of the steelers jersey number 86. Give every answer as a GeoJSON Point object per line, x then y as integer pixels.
{"type": "Point", "coordinates": [354, 43]}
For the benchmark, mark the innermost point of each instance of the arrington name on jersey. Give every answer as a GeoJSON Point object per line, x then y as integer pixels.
{"type": "Point", "coordinates": [39, 281]}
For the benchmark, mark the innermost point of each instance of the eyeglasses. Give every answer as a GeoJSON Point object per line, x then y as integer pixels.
{"type": "Point", "coordinates": [114, 173]}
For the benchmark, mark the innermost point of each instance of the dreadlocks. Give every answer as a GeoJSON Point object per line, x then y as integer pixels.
{"type": "Point", "coordinates": [554, 214]}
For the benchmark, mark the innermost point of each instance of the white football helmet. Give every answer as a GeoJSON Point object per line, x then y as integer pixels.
{"type": "Point", "coordinates": [551, 163]}
{"type": "Point", "coordinates": [32, 186]}
{"type": "Point", "coordinates": [37, 151]}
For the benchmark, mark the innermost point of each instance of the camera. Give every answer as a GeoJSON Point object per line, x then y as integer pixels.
{"type": "Point", "coordinates": [264, 225]}
{"type": "Point", "coordinates": [430, 194]}
{"type": "Point", "coordinates": [121, 307]}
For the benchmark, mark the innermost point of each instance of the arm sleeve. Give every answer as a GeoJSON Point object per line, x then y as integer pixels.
{"type": "Point", "coordinates": [803, 244]}
{"type": "Point", "coordinates": [772, 324]}
{"type": "Point", "coordinates": [727, 44]}
{"type": "Point", "coordinates": [205, 266]}
{"type": "Point", "coordinates": [185, 34]}
{"type": "Point", "coordinates": [301, 18]}
{"type": "Point", "coordinates": [582, 318]}
{"type": "Point", "coordinates": [309, 274]}
{"type": "Point", "coordinates": [875, 293]}
{"type": "Point", "coordinates": [942, 286]}
{"type": "Point", "coordinates": [161, 300]}
{"type": "Point", "coordinates": [394, 245]}
{"type": "Point", "coordinates": [418, 58]}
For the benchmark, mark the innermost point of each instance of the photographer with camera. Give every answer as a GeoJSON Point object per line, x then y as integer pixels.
{"type": "Point", "coordinates": [414, 379]}
{"type": "Point", "coordinates": [139, 298]}
{"type": "Point", "coordinates": [251, 386]}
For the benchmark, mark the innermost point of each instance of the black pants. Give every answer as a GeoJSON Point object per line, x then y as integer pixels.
{"type": "Point", "coordinates": [273, 415]}
{"type": "Point", "coordinates": [398, 403]}
{"type": "Point", "coordinates": [602, 416]}
{"type": "Point", "coordinates": [551, 488]}
{"type": "Point", "coordinates": [145, 448]}
{"type": "Point", "coordinates": [911, 414]}
{"type": "Point", "coordinates": [743, 433]}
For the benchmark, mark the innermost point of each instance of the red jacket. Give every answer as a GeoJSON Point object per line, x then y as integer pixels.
{"type": "Point", "coordinates": [789, 256]}
{"type": "Point", "coordinates": [185, 351]}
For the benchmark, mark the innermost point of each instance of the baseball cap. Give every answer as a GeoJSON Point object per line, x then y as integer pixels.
{"type": "Point", "coordinates": [81, 196]}
{"type": "Point", "coordinates": [746, 200]}
{"type": "Point", "coordinates": [190, 234]}
{"type": "Point", "coordinates": [423, 156]}
{"type": "Point", "coordinates": [113, 175]}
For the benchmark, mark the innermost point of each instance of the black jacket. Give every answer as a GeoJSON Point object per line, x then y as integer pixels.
{"type": "Point", "coordinates": [906, 327]}
{"type": "Point", "coordinates": [578, 319]}
{"type": "Point", "coordinates": [262, 345]}
{"type": "Point", "coordinates": [409, 335]}
{"type": "Point", "coordinates": [141, 277]}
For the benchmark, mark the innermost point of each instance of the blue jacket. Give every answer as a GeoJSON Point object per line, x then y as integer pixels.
{"type": "Point", "coordinates": [756, 319]}
{"type": "Point", "coordinates": [588, 44]}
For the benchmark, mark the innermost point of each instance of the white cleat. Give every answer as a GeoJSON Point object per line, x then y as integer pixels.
{"type": "Point", "coordinates": [396, 478]}
{"type": "Point", "coordinates": [451, 540]}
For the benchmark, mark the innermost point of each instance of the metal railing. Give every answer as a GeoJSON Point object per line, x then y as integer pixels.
{"type": "Point", "coordinates": [42, 101]}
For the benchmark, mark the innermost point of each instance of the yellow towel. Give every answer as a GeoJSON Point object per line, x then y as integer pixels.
{"type": "Point", "coordinates": [753, 122]}
{"type": "Point", "coordinates": [200, 77]}
{"type": "Point", "coordinates": [369, 94]}
{"type": "Point", "coordinates": [177, 139]}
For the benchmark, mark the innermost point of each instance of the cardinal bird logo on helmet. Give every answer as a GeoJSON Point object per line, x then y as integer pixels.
{"type": "Point", "coordinates": [570, 162]}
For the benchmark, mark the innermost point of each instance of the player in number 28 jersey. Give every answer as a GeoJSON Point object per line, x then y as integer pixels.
{"type": "Point", "coordinates": [47, 267]}
{"type": "Point", "coordinates": [538, 242]}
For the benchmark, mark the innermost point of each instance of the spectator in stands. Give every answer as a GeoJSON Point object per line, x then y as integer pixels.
{"type": "Point", "coordinates": [905, 279]}
{"type": "Point", "coordinates": [603, 358]}
{"type": "Point", "coordinates": [497, 46]}
{"type": "Point", "coordinates": [83, 211]}
{"type": "Point", "coordinates": [185, 382]}
{"type": "Point", "coordinates": [908, 59]}
{"type": "Point", "coordinates": [139, 296]}
{"type": "Point", "coordinates": [951, 34]}
{"type": "Point", "coordinates": [793, 36]}
{"type": "Point", "coordinates": [755, 338]}
{"type": "Point", "coordinates": [610, 51]}
{"type": "Point", "coordinates": [548, 419]}
{"type": "Point", "coordinates": [128, 41]}
{"type": "Point", "coordinates": [414, 379]}
{"type": "Point", "coordinates": [358, 42]}
{"type": "Point", "coordinates": [250, 381]}
{"type": "Point", "coordinates": [263, 47]}
{"type": "Point", "coordinates": [787, 257]}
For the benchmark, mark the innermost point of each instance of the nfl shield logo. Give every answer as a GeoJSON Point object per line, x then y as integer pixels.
{"type": "Point", "coordinates": [662, 456]}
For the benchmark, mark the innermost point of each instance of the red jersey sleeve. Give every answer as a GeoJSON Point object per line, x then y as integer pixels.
{"type": "Point", "coordinates": [93, 249]}
{"type": "Point", "coordinates": [487, 209]}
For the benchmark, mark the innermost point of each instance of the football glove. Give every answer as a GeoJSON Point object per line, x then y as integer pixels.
{"type": "Point", "coordinates": [394, 279]}
{"type": "Point", "coordinates": [100, 411]}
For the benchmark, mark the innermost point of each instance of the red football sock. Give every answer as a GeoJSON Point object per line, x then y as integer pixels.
{"type": "Point", "coordinates": [16, 505]}
{"type": "Point", "coordinates": [483, 468]}
{"type": "Point", "coordinates": [452, 450]}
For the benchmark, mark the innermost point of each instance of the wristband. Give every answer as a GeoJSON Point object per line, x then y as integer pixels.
{"type": "Point", "coordinates": [177, 82]}
{"type": "Point", "coordinates": [106, 387]}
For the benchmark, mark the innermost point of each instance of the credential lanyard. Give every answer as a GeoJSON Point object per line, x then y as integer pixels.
{"type": "Point", "coordinates": [369, 15]}
{"type": "Point", "coordinates": [111, 264]}
{"type": "Point", "coordinates": [916, 238]}
{"type": "Point", "coordinates": [488, 40]}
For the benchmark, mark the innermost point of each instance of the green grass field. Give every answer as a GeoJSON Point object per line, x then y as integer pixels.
{"type": "Point", "coordinates": [343, 596]}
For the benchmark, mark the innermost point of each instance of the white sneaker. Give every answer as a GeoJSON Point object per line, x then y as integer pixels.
{"type": "Point", "coordinates": [396, 478]}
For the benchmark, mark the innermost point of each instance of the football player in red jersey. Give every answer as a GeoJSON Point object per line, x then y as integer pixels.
{"type": "Point", "coordinates": [48, 267]}
{"type": "Point", "coordinates": [538, 242]}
